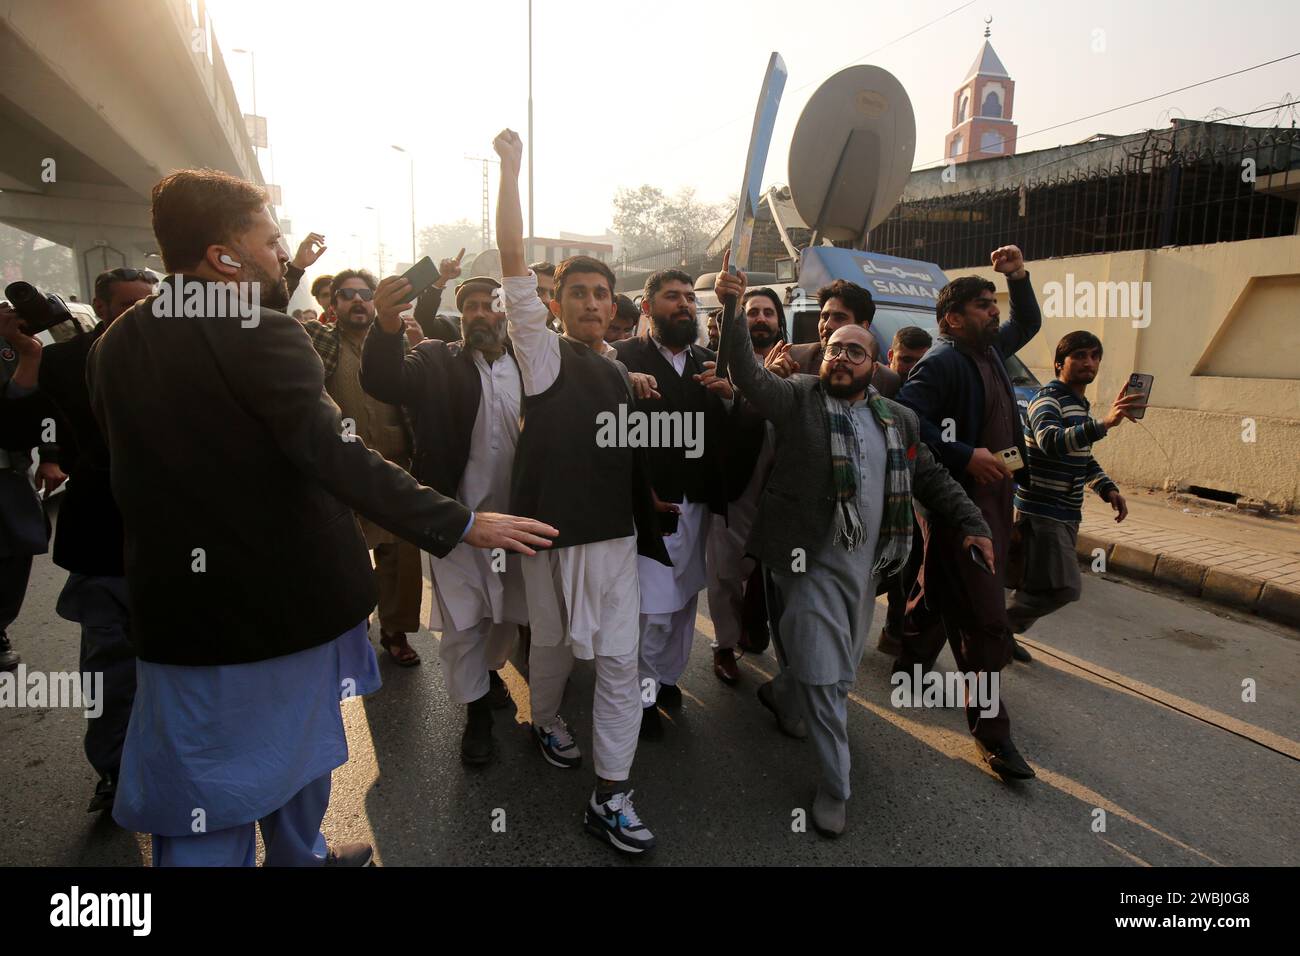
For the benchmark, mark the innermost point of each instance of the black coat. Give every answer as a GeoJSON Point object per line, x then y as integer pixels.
{"type": "Point", "coordinates": [439, 386]}
{"type": "Point", "coordinates": [89, 536]}
{"type": "Point", "coordinates": [672, 474]}
{"type": "Point", "coordinates": [237, 485]}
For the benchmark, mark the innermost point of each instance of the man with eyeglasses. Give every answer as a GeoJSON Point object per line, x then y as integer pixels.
{"type": "Point", "coordinates": [841, 303]}
{"type": "Point", "coordinates": [385, 429]}
{"type": "Point", "coordinates": [835, 514]}
{"type": "Point", "coordinates": [50, 385]}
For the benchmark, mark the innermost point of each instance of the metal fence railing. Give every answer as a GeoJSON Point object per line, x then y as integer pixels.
{"type": "Point", "coordinates": [1162, 193]}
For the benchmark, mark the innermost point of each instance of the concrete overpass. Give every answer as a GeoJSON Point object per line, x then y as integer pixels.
{"type": "Point", "coordinates": [99, 100]}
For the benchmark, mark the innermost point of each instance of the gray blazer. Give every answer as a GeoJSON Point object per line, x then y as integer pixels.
{"type": "Point", "coordinates": [797, 505]}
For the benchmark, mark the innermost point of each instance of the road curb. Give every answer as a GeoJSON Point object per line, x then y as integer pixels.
{"type": "Point", "coordinates": [1240, 591]}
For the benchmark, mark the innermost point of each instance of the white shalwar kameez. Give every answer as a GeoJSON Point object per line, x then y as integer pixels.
{"type": "Point", "coordinates": [669, 596]}
{"type": "Point", "coordinates": [583, 601]}
{"type": "Point", "coordinates": [479, 598]}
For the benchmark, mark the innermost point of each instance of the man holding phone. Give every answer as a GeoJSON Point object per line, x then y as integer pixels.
{"type": "Point", "coordinates": [688, 488]}
{"type": "Point", "coordinates": [384, 428]}
{"type": "Point", "coordinates": [1059, 439]}
{"type": "Point", "coordinates": [962, 394]}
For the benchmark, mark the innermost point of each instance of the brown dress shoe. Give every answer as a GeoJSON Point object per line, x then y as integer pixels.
{"type": "Point", "coordinates": [724, 665]}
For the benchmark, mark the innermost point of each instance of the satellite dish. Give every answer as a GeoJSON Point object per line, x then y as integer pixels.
{"type": "Point", "coordinates": [486, 263]}
{"type": "Point", "coordinates": [852, 153]}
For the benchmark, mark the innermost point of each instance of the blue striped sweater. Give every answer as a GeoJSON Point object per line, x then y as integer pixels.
{"type": "Point", "coordinates": [1059, 441]}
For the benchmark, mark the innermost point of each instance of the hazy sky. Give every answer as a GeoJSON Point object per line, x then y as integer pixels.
{"type": "Point", "coordinates": [663, 92]}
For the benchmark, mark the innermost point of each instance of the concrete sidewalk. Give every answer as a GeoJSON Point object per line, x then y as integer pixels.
{"type": "Point", "coordinates": [1239, 559]}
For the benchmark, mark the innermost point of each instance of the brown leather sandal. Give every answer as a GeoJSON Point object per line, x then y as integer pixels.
{"type": "Point", "coordinates": [399, 649]}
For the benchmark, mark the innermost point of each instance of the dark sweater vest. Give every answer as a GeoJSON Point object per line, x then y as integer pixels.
{"type": "Point", "coordinates": [562, 477]}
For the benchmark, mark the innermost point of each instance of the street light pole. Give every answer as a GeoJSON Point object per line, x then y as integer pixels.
{"type": "Point", "coordinates": [410, 159]}
{"type": "Point", "coordinates": [379, 238]}
{"type": "Point", "coordinates": [531, 233]}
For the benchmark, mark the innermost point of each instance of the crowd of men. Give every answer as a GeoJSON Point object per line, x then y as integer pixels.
{"type": "Point", "coordinates": [244, 494]}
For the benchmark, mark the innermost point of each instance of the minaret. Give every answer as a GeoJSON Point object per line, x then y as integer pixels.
{"type": "Point", "coordinates": [981, 110]}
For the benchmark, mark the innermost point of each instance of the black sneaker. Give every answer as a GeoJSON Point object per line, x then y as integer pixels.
{"type": "Point", "coordinates": [1019, 653]}
{"type": "Point", "coordinates": [9, 658]}
{"type": "Point", "coordinates": [476, 744]}
{"type": "Point", "coordinates": [652, 725]}
{"type": "Point", "coordinates": [616, 822]}
{"type": "Point", "coordinates": [498, 694]}
{"type": "Point", "coordinates": [558, 746]}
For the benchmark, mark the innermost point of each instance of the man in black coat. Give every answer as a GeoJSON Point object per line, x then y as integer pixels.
{"type": "Point", "coordinates": [963, 397]}
{"type": "Point", "coordinates": [462, 400]}
{"type": "Point", "coordinates": [88, 543]}
{"type": "Point", "coordinates": [676, 386]}
{"type": "Point", "coordinates": [249, 579]}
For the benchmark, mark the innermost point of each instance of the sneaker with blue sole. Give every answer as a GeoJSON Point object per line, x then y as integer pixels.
{"type": "Point", "coordinates": [558, 746]}
{"type": "Point", "coordinates": [616, 822]}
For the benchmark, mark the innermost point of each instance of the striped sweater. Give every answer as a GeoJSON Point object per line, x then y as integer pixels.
{"type": "Point", "coordinates": [1059, 440]}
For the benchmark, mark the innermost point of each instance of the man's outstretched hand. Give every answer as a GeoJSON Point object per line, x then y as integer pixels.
{"type": "Point", "coordinates": [510, 532]}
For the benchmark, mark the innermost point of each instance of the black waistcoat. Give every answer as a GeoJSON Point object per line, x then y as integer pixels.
{"type": "Point", "coordinates": [563, 477]}
{"type": "Point", "coordinates": [674, 475]}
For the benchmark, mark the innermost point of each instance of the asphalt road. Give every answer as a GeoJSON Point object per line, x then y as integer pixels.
{"type": "Point", "coordinates": [1133, 705]}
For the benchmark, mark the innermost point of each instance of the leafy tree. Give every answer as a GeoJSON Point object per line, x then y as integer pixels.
{"type": "Point", "coordinates": [447, 239]}
{"type": "Point", "coordinates": [27, 257]}
{"type": "Point", "coordinates": [648, 220]}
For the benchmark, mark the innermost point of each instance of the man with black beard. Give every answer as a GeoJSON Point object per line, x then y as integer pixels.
{"type": "Point", "coordinates": [462, 399]}
{"type": "Point", "coordinates": [736, 603]}
{"type": "Point", "coordinates": [383, 427]}
{"type": "Point", "coordinates": [835, 514]}
{"type": "Point", "coordinates": [962, 394]}
{"type": "Point", "coordinates": [675, 376]}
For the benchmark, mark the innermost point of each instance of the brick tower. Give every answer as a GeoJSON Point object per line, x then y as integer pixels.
{"type": "Point", "coordinates": [981, 110]}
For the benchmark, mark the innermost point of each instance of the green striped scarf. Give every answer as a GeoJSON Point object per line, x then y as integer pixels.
{"type": "Point", "coordinates": [895, 542]}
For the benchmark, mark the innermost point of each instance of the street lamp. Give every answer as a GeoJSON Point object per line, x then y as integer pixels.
{"type": "Point", "coordinates": [411, 160]}
{"type": "Point", "coordinates": [379, 239]}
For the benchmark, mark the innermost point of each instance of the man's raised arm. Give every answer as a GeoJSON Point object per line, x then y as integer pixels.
{"type": "Point", "coordinates": [537, 348]}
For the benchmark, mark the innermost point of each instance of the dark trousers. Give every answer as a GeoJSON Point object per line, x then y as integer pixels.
{"type": "Point", "coordinates": [100, 606]}
{"type": "Point", "coordinates": [954, 600]}
{"type": "Point", "coordinates": [898, 586]}
{"type": "Point", "coordinates": [14, 572]}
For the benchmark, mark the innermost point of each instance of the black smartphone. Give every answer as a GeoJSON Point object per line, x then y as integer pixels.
{"type": "Point", "coordinates": [978, 558]}
{"type": "Point", "coordinates": [421, 275]}
{"type": "Point", "coordinates": [1140, 384]}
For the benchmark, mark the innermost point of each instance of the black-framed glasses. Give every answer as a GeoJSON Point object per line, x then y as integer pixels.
{"type": "Point", "coordinates": [347, 295]}
{"type": "Point", "coordinates": [856, 354]}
